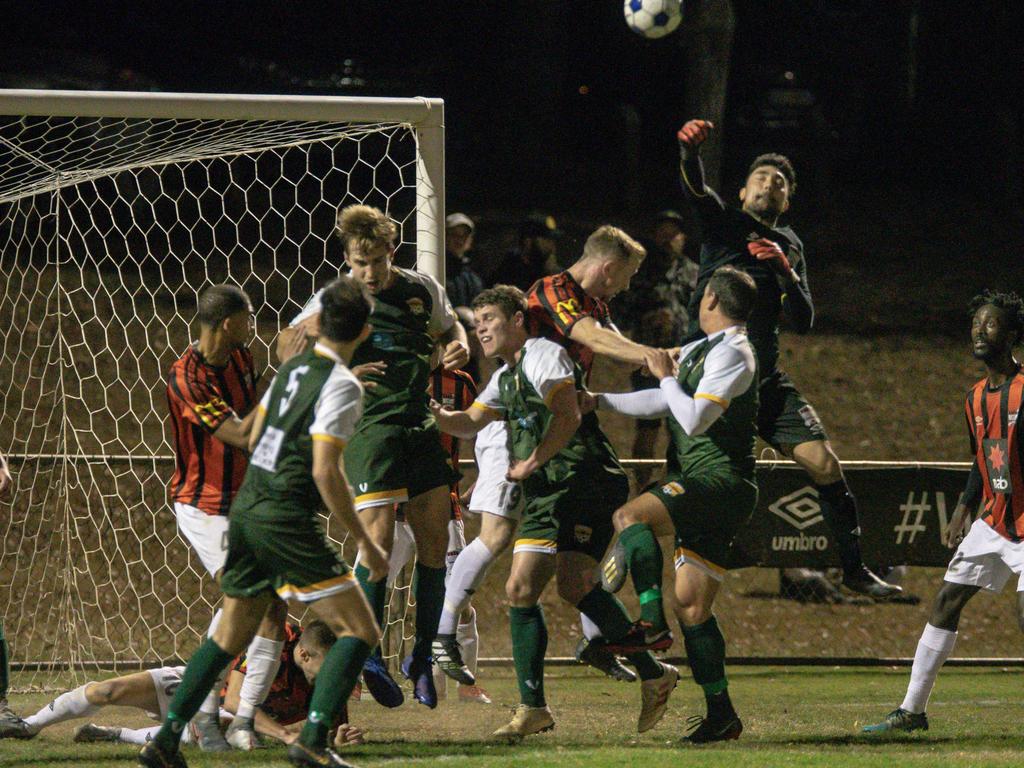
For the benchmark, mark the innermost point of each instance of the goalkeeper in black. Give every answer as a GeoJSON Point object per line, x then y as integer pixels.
{"type": "Point", "coordinates": [751, 238]}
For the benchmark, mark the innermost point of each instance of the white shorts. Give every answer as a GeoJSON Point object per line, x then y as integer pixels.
{"type": "Point", "coordinates": [166, 681]}
{"type": "Point", "coordinates": [493, 493]}
{"type": "Point", "coordinates": [208, 535]}
{"type": "Point", "coordinates": [456, 543]}
{"type": "Point", "coordinates": [987, 560]}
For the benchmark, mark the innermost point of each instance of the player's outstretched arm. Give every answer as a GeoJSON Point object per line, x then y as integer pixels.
{"type": "Point", "coordinates": [691, 169]}
{"type": "Point", "coordinates": [604, 341]}
{"type": "Point", "coordinates": [565, 420]}
{"type": "Point", "coordinates": [727, 374]}
{"type": "Point", "coordinates": [796, 301]}
{"type": "Point", "coordinates": [642, 404]}
{"type": "Point", "coordinates": [264, 723]}
{"type": "Point", "coordinates": [463, 424]}
{"type": "Point", "coordinates": [329, 476]}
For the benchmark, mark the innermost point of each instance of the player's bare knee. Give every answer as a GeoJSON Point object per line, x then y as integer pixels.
{"type": "Point", "coordinates": [572, 590]}
{"type": "Point", "coordinates": [104, 693]}
{"type": "Point", "coordinates": [692, 614]}
{"type": "Point", "coordinates": [519, 593]}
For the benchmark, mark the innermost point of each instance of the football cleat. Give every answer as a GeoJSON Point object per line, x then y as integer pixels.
{"type": "Point", "coordinates": [324, 757]}
{"type": "Point", "coordinates": [614, 569]}
{"type": "Point", "coordinates": [641, 638]}
{"type": "Point", "coordinates": [152, 756]}
{"type": "Point", "coordinates": [91, 733]}
{"type": "Point", "coordinates": [13, 727]}
{"type": "Point", "coordinates": [899, 720]}
{"type": "Point", "coordinates": [381, 684]}
{"type": "Point", "coordinates": [704, 730]}
{"type": "Point", "coordinates": [526, 721]}
{"type": "Point", "coordinates": [205, 729]}
{"type": "Point", "coordinates": [447, 655]}
{"type": "Point", "coordinates": [474, 693]}
{"type": "Point", "coordinates": [422, 676]}
{"type": "Point", "coordinates": [594, 653]}
{"type": "Point", "coordinates": [654, 697]}
{"type": "Point", "coordinates": [864, 582]}
{"type": "Point", "coordinates": [241, 735]}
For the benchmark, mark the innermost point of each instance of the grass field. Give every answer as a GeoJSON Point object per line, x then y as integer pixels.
{"type": "Point", "coordinates": [793, 717]}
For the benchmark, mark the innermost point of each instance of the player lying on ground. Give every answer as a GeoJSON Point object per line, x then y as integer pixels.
{"type": "Point", "coordinates": [277, 547]}
{"type": "Point", "coordinates": [395, 456]}
{"type": "Point", "coordinates": [992, 550]}
{"type": "Point", "coordinates": [709, 491]}
{"type": "Point", "coordinates": [571, 482]}
{"type": "Point", "coordinates": [568, 308]}
{"type": "Point", "coordinates": [211, 398]}
{"type": "Point", "coordinates": [281, 716]}
{"type": "Point", "coordinates": [752, 239]}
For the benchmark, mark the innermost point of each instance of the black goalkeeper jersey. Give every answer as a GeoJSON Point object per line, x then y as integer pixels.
{"type": "Point", "coordinates": [726, 231]}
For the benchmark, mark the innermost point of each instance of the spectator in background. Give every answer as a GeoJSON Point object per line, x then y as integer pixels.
{"type": "Point", "coordinates": [461, 280]}
{"type": "Point", "coordinates": [535, 257]}
{"type": "Point", "coordinates": [653, 312]}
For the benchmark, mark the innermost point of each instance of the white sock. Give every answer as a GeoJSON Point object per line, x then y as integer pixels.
{"type": "Point", "coordinates": [140, 736]}
{"type": "Point", "coordinates": [211, 704]}
{"type": "Point", "coordinates": [403, 549]}
{"type": "Point", "coordinates": [468, 638]}
{"type": "Point", "coordinates": [262, 660]}
{"type": "Point", "coordinates": [590, 629]}
{"type": "Point", "coordinates": [468, 571]}
{"type": "Point", "coordinates": [933, 649]}
{"type": "Point", "coordinates": [67, 706]}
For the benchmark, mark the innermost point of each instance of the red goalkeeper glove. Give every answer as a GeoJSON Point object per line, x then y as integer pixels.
{"type": "Point", "coordinates": [766, 250]}
{"type": "Point", "coordinates": [693, 134]}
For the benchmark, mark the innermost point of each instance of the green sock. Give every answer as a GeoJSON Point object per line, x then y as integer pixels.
{"type": "Point", "coordinates": [646, 665]}
{"type": "Point", "coordinates": [200, 676]}
{"type": "Point", "coordinates": [429, 602]}
{"type": "Point", "coordinates": [605, 610]}
{"type": "Point", "coordinates": [645, 563]}
{"type": "Point", "coordinates": [334, 683]}
{"type": "Point", "coordinates": [529, 644]}
{"type": "Point", "coordinates": [375, 591]}
{"type": "Point", "coordinates": [5, 671]}
{"type": "Point", "coordinates": [705, 651]}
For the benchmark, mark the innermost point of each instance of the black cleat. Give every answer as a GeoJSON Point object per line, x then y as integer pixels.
{"type": "Point", "coordinates": [704, 730]}
{"type": "Point", "coordinates": [152, 756]}
{"type": "Point", "coordinates": [447, 655]}
{"type": "Point", "coordinates": [324, 757]}
{"type": "Point", "coordinates": [594, 653]}
{"type": "Point", "coordinates": [13, 727]}
{"type": "Point", "coordinates": [864, 582]}
{"type": "Point", "coordinates": [899, 720]}
{"type": "Point", "coordinates": [641, 638]}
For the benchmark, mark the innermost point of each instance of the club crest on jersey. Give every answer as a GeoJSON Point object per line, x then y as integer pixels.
{"type": "Point", "coordinates": [582, 534]}
{"type": "Point", "coordinates": [673, 489]}
{"type": "Point", "coordinates": [416, 305]}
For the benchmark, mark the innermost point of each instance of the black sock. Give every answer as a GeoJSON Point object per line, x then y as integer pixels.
{"type": "Point", "coordinates": [839, 508]}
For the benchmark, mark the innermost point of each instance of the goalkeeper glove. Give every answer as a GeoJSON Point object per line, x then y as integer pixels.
{"type": "Point", "coordinates": [766, 250]}
{"type": "Point", "coordinates": [694, 133]}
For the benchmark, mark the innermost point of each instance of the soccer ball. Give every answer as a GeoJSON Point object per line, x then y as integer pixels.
{"type": "Point", "coordinates": [653, 18]}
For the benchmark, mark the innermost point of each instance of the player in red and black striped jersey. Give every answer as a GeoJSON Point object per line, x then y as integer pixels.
{"type": "Point", "coordinates": [993, 550]}
{"type": "Point", "coordinates": [211, 397]}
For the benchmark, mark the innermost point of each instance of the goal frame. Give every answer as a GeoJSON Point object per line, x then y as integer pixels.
{"type": "Point", "coordinates": [424, 115]}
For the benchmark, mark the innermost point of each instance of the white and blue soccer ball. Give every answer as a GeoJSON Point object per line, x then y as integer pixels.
{"type": "Point", "coordinates": [653, 18]}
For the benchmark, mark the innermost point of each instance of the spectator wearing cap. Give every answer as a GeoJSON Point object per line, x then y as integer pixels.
{"type": "Point", "coordinates": [461, 280]}
{"type": "Point", "coordinates": [653, 311]}
{"type": "Point", "coordinates": [534, 257]}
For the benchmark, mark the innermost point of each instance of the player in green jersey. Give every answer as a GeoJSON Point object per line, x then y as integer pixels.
{"type": "Point", "coordinates": [395, 456]}
{"type": "Point", "coordinates": [709, 490]}
{"type": "Point", "coordinates": [571, 481]}
{"type": "Point", "coordinates": [276, 544]}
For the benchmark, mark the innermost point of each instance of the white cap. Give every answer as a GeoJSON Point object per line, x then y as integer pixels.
{"type": "Point", "coordinates": [458, 220]}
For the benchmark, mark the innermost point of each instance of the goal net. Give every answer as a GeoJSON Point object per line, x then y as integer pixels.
{"type": "Point", "coordinates": [116, 210]}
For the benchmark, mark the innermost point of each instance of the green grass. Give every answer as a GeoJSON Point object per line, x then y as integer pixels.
{"type": "Point", "coordinates": [792, 717]}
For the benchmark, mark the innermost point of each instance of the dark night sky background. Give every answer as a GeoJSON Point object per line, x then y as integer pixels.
{"type": "Point", "coordinates": [521, 134]}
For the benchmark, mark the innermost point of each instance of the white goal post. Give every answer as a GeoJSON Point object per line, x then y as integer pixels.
{"type": "Point", "coordinates": [116, 209]}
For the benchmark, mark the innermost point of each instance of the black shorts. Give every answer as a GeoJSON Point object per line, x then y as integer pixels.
{"type": "Point", "coordinates": [784, 417]}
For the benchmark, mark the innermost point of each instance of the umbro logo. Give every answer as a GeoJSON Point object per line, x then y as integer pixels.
{"type": "Point", "coordinates": [800, 508]}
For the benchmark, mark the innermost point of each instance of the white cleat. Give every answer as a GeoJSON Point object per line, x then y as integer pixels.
{"type": "Point", "coordinates": [526, 721]}
{"type": "Point", "coordinates": [654, 697]}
